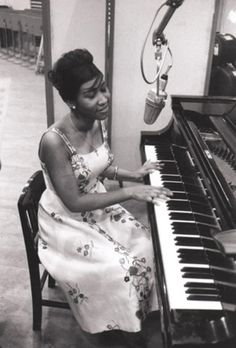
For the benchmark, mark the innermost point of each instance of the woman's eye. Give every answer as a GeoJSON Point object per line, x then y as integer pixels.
{"type": "Point", "coordinates": [90, 95]}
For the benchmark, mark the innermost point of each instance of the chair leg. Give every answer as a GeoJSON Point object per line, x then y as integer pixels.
{"type": "Point", "coordinates": [37, 315]}
{"type": "Point", "coordinates": [51, 282]}
{"type": "Point", "coordinates": [36, 295]}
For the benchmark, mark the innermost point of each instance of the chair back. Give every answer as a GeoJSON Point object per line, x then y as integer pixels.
{"type": "Point", "coordinates": [28, 211]}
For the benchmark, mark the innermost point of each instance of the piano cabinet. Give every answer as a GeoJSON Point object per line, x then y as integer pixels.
{"type": "Point", "coordinates": [196, 279]}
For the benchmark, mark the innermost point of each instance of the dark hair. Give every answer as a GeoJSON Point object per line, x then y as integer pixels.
{"type": "Point", "coordinates": [72, 70]}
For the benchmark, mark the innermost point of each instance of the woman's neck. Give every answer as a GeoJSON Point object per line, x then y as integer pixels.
{"type": "Point", "coordinates": [81, 123]}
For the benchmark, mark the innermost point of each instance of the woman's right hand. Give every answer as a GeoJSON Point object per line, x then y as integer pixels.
{"type": "Point", "coordinates": [149, 193]}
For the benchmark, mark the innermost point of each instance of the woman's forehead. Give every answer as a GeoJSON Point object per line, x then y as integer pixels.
{"type": "Point", "coordinates": [92, 84]}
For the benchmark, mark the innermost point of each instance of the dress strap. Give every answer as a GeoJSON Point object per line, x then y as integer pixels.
{"type": "Point", "coordinates": [65, 139]}
{"type": "Point", "coordinates": [104, 131]}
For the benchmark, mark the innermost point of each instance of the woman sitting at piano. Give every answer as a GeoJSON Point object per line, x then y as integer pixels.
{"type": "Point", "coordinates": [99, 254]}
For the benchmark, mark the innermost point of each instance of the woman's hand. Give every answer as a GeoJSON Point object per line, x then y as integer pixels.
{"type": "Point", "coordinates": [149, 193]}
{"type": "Point", "coordinates": [147, 168]}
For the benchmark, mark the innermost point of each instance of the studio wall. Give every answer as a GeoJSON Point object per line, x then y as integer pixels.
{"type": "Point", "coordinates": [188, 32]}
{"type": "Point", "coordinates": [228, 17]}
{"type": "Point", "coordinates": [77, 24]}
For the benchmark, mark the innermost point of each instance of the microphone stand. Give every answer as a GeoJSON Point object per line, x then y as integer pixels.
{"type": "Point", "coordinates": [158, 40]}
{"type": "Point", "coordinates": [160, 58]}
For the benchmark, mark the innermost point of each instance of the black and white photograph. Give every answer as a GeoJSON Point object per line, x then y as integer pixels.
{"type": "Point", "coordinates": [117, 174]}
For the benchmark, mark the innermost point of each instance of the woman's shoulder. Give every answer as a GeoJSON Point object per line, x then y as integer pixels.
{"type": "Point", "coordinates": [52, 140]}
{"type": "Point", "coordinates": [52, 136]}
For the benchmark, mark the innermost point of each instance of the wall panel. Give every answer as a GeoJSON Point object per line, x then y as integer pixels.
{"type": "Point", "coordinates": [77, 24]}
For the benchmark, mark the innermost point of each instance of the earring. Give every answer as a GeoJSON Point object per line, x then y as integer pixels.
{"type": "Point", "coordinates": [71, 106]}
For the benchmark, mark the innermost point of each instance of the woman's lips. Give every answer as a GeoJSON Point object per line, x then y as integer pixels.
{"type": "Point", "coordinates": [103, 110]}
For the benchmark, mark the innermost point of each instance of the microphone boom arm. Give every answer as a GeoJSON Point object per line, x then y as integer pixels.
{"type": "Point", "coordinates": [158, 33]}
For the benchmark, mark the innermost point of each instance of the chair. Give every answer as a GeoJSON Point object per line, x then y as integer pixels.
{"type": "Point", "coordinates": [28, 209]}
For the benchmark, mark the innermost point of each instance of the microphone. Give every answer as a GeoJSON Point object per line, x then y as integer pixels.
{"type": "Point", "coordinates": [155, 101]}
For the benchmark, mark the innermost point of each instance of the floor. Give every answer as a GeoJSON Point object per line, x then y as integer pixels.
{"type": "Point", "coordinates": [21, 125]}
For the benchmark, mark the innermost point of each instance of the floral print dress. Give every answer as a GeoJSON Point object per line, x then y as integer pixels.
{"type": "Point", "coordinates": [102, 259]}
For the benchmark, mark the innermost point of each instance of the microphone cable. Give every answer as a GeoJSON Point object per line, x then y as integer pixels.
{"type": "Point", "coordinates": [143, 49]}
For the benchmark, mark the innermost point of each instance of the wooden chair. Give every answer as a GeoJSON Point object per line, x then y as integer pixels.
{"type": "Point", "coordinates": [28, 210]}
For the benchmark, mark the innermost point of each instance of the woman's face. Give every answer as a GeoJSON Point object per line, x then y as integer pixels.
{"type": "Point", "coordinates": [93, 98]}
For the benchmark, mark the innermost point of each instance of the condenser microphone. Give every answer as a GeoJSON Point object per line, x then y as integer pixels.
{"type": "Point", "coordinates": [155, 102]}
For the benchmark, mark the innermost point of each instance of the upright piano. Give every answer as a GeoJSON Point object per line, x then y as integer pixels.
{"type": "Point", "coordinates": [196, 274]}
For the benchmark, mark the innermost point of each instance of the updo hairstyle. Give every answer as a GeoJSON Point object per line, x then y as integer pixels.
{"type": "Point", "coordinates": [72, 70]}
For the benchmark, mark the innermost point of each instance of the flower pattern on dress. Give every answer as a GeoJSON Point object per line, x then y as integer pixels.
{"type": "Point", "coordinates": [42, 243]}
{"type": "Point", "coordinates": [56, 216]}
{"type": "Point", "coordinates": [119, 214]}
{"type": "Point", "coordinates": [86, 249]}
{"type": "Point", "coordinates": [81, 170]}
{"type": "Point", "coordinates": [137, 272]}
{"type": "Point", "coordinates": [113, 326]}
{"type": "Point", "coordinates": [110, 154]}
{"type": "Point", "coordinates": [76, 295]}
{"type": "Point", "coordinates": [139, 275]}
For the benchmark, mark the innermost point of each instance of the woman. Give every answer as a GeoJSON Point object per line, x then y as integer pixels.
{"type": "Point", "coordinates": [100, 255]}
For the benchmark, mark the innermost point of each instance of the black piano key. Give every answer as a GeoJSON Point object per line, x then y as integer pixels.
{"type": "Point", "coordinates": [202, 291]}
{"type": "Point", "coordinates": [193, 256]}
{"type": "Point", "coordinates": [218, 260]}
{"type": "Point", "coordinates": [207, 231]}
{"type": "Point", "coordinates": [184, 228]}
{"type": "Point", "coordinates": [185, 169]}
{"type": "Point", "coordinates": [188, 216]}
{"type": "Point", "coordinates": [194, 275]}
{"type": "Point", "coordinates": [227, 293]}
{"type": "Point", "coordinates": [224, 276]}
{"type": "Point", "coordinates": [201, 253]}
{"type": "Point", "coordinates": [169, 168]}
{"type": "Point", "coordinates": [196, 270]}
{"type": "Point", "coordinates": [178, 205]}
{"type": "Point", "coordinates": [191, 241]}
{"type": "Point", "coordinates": [201, 208]}
{"type": "Point", "coordinates": [185, 205]}
{"type": "Point", "coordinates": [181, 216]}
{"type": "Point", "coordinates": [194, 188]}
{"type": "Point", "coordinates": [163, 152]}
{"type": "Point", "coordinates": [190, 197]}
{"type": "Point", "coordinates": [188, 241]}
{"type": "Point", "coordinates": [171, 178]}
{"type": "Point", "coordinates": [183, 187]}
{"type": "Point", "coordinates": [209, 244]}
{"type": "Point", "coordinates": [204, 298]}
{"type": "Point", "coordinates": [205, 219]}
{"type": "Point", "coordinates": [215, 258]}
{"type": "Point", "coordinates": [174, 186]}
{"type": "Point", "coordinates": [193, 260]}
{"type": "Point", "coordinates": [194, 285]}
{"type": "Point", "coordinates": [180, 195]}
{"type": "Point", "coordinates": [179, 178]}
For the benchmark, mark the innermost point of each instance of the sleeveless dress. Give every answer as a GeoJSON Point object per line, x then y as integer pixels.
{"type": "Point", "coordinates": [102, 259]}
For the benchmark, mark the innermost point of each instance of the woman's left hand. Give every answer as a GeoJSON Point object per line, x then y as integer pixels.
{"type": "Point", "coordinates": [147, 168]}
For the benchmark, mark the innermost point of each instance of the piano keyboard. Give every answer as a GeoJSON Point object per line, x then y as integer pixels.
{"type": "Point", "coordinates": [189, 253]}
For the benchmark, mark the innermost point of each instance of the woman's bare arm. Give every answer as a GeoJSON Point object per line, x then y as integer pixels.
{"type": "Point", "coordinates": [55, 156]}
{"type": "Point", "coordinates": [120, 174]}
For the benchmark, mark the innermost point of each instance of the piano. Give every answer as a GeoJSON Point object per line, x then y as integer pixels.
{"type": "Point", "coordinates": [196, 279]}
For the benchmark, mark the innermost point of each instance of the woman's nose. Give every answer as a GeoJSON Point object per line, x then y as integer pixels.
{"type": "Point", "coordinates": [104, 97]}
